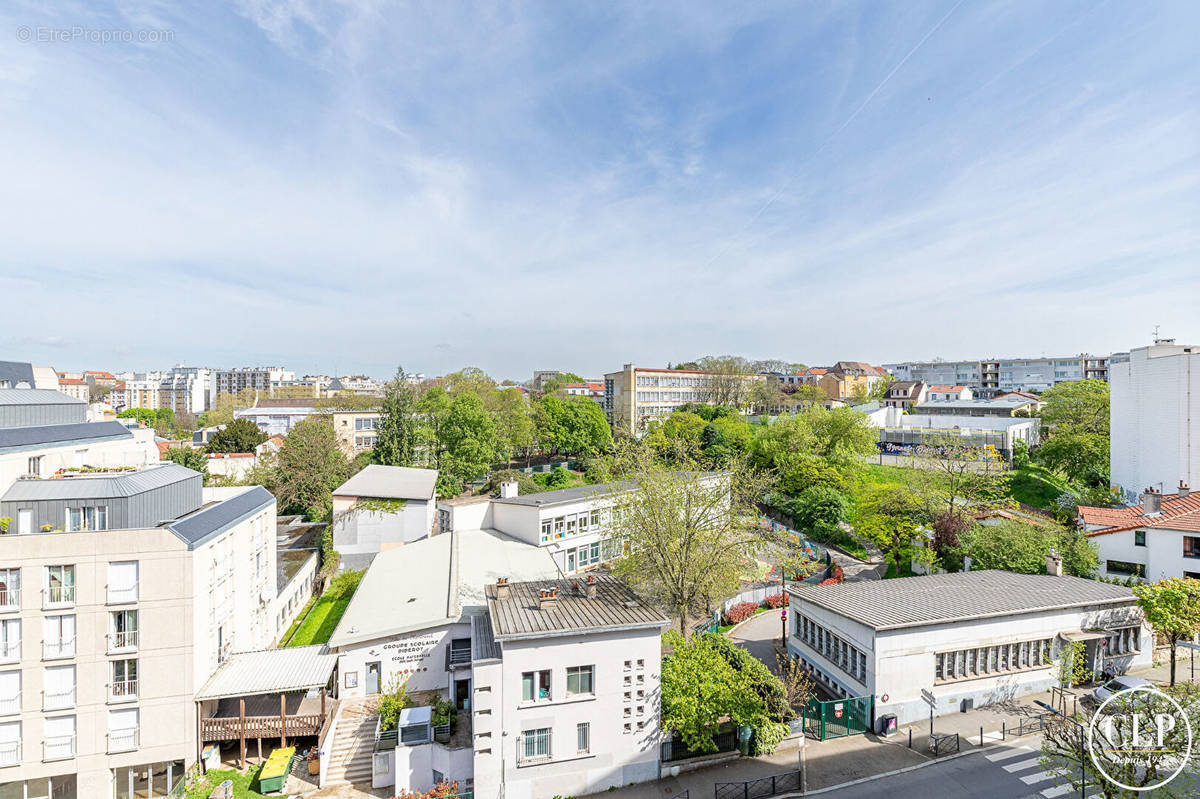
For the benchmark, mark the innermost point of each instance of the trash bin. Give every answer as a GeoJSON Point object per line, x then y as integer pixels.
{"type": "Point", "coordinates": [744, 735]}
{"type": "Point", "coordinates": [887, 724]}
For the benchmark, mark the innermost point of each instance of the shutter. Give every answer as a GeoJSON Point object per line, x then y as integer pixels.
{"type": "Point", "coordinates": [10, 732]}
{"type": "Point", "coordinates": [10, 685]}
{"type": "Point", "coordinates": [125, 719]}
{"type": "Point", "coordinates": [122, 576]}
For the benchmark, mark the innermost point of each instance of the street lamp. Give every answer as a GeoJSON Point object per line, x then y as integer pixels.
{"type": "Point", "coordinates": [1082, 751]}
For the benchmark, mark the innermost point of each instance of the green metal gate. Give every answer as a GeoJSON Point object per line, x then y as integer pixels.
{"type": "Point", "coordinates": [837, 719]}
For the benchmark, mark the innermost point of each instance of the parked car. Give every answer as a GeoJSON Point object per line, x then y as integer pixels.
{"type": "Point", "coordinates": [1116, 685]}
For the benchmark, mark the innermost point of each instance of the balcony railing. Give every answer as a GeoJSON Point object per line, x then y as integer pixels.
{"type": "Point", "coordinates": [62, 648]}
{"type": "Point", "coordinates": [59, 595]}
{"type": "Point", "coordinates": [10, 753]}
{"type": "Point", "coordinates": [10, 706]}
{"type": "Point", "coordinates": [125, 641]}
{"type": "Point", "coordinates": [10, 599]}
{"type": "Point", "coordinates": [457, 657]}
{"type": "Point", "coordinates": [58, 700]}
{"type": "Point", "coordinates": [120, 596]}
{"type": "Point", "coordinates": [58, 747]}
{"type": "Point", "coordinates": [122, 740]}
{"type": "Point", "coordinates": [123, 691]}
{"type": "Point", "coordinates": [10, 651]}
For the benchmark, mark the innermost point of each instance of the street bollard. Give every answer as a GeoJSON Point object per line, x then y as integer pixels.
{"type": "Point", "coordinates": [981, 735]}
{"type": "Point", "coordinates": [910, 737]}
{"type": "Point", "coordinates": [1003, 730]}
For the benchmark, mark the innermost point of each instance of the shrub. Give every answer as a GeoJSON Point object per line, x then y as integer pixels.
{"type": "Point", "coordinates": [775, 601]}
{"type": "Point", "coordinates": [391, 702]}
{"type": "Point", "coordinates": [768, 736]}
{"type": "Point", "coordinates": [740, 612]}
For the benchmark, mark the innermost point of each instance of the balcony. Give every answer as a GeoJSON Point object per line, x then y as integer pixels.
{"type": "Point", "coordinates": [123, 596]}
{"type": "Point", "coordinates": [57, 650]}
{"type": "Point", "coordinates": [122, 740]}
{"type": "Point", "coordinates": [10, 651]}
{"type": "Point", "coordinates": [10, 754]}
{"type": "Point", "coordinates": [10, 600]}
{"type": "Point", "coordinates": [58, 747]}
{"type": "Point", "coordinates": [123, 691]}
{"type": "Point", "coordinates": [126, 641]}
{"type": "Point", "coordinates": [58, 596]}
{"type": "Point", "coordinates": [10, 706]}
{"type": "Point", "coordinates": [58, 700]}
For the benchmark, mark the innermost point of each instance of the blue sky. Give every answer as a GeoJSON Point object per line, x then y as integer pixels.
{"type": "Point", "coordinates": [347, 186]}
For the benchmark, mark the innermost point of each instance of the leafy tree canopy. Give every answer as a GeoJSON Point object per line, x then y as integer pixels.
{"type": "Point", "coordinates": [1022, 547]}
{"type": "Point", "coordinates": [241, 435]}
{"type": "Point", "coordinates": [191, 458]}
{"type": "Point", "coordinates": [1079, 407]}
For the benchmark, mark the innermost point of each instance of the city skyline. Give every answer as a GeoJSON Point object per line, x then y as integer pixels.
{"type": "Point", "coordinates": [345, 187]}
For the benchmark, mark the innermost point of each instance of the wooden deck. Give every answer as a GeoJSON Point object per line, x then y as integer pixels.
{"type": "Point", "coordinates": [229, 729]}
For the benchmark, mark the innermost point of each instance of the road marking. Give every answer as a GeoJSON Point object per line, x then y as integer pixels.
{"type": "Point", "coordinates": [1024, 764]}
{"type": "Point", "coordinates": [993, 736]}
{"type": "Point", "coordinates": [1057, 790]}
{"type": "Point", "coordinates": [1005, 754]}
{"type": "Point", "coordinates": [1032, 778]}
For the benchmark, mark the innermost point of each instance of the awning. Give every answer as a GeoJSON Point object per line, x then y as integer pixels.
{"type": "Point", "coordinates": [1085, 635]}
{"type": "Point", "coordinates": [270, 671]}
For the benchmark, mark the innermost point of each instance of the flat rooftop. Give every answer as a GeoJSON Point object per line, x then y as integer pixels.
{"type": "Point", "coordinates": [961, 596]}
{"type": "Point", "coordinates": [390, 482]}
{"type": "Point", "coordinates": [615, 606]}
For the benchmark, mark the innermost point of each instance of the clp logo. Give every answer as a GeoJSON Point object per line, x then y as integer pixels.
{"type": "Point", "coordinates": [1140, 739]}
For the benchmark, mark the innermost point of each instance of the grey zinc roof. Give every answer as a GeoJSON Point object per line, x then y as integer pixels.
{"type": "Point", "coordinates": [16, 373]}
{"type": "Point", "coordinates": [564, 495]}
{"type": "Point", "coordinates": [36, 396]}
{"type": "Point", "coordinates": [99, 486]}
{"type": "Point", "coordinates": [614, 607]}
{"type": "Point", "coordinates": [270, 671]}
{"type": "Point", "coordinates": [27, 437]}
{"type": "Point", "coordinates": [960, 596]}
{"type": "Point", "coordinates": [198, 527]}
{"type": "Point", "coordinates": [1003, 402]}
{"type": "Point", "coordinates": [390, 482]}
{"type": "Point", "coordinates": [483, 640]}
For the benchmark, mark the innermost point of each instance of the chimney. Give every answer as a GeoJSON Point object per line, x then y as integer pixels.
{"type": "Point", "coordinates": [1184, 491]}
{"type": "Point", "coordinates": [502, 589]}
{"type": "Point", "coordinates": [1151, 502]}
{"type": "Point", "coordinates": [509, 489]}
{"type": "Point", "coordinates": [1054, 563]}
{"type": "Point", "coordinates": [548, 598]}
{"type": "Point", "coordinates": [592, 584]}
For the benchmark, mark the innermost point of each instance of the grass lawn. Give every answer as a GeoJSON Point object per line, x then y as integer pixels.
{"type": "Point", "coordinates": [724, 628]}
{"type": "Point", "coordinates": [243, 784]}
{"type": "Point", "coordinates": [1036, 486]}
{"type": "Point", "coordinates": [322, 619]}
{"type": "Point", "coordinates": [287, 636]}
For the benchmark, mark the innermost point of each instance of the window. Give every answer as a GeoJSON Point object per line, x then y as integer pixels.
{"type": "Point", "coordinates": [1139, 538]}
{"type": "Point", "coordinates": [123, 730]}
{"type": "Point", "coordinates": [535, 686]}
{"type": "Point", "coordinates": [34, 465]}
{"type": "Point", "coordinates": [546, 523]}
{"type": "Point", "coordinates": [1123, 642]}
{"type": "Point", "coordinates": [1191, 547]}
{"type": "Point", "coordinates": [364, 424]}
{"type": "Point", "coordinates": [10, 640]}
{"type": "Point", "coordinates": [59, 734]}
{"type": "Point", "coordinates": [123, 581]}
{"type": "Point", "coordinates": [583, 737]}
{"type": "Point", "coordinates": [10, 693]}
{"type": "Point", "coordinates": [87, 518]}
{"type": "Point", "coordinates": [60, 585]}
{"type": "Point", "coordinates": [123, 633]}
{"type": "Point", "coordinates": [59, 688]}
{"type": "Point", "coordinates": [59, 638]}
{"type": "Point", "coordinates": [1136, 569]}
{"type": "Point", "coordinates": [10, 589]}
{"type": "Point", "coordinates": [124, 679]}
{"type": "Point", "coordinates": [579, 680]}
{"type": "Point", "coordinates": [535, 744]}
{"type": "Point", "coordinates": [989, 660]}
{"type": "Point", "coordinates": [10, 753]}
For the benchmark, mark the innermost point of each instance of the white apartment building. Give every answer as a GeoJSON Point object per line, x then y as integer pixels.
{"type": "Point", "coordinates": [255, 378]}
{"type": "Point", "coordinates": [1158, 538]}
{"type": "Point", "coordinates": [186, 389]}
{"type": "Point", "coordinates": [988, 377]}
{"type": "Point", "coordinates": [112, 620]}
{"type": "Point", "coordinates": [634, 396]}
{"type": "Point", "coordinates": [969, 638]}
{"type": "Point", "coordinates": [1155, 418]}
{"type": "Point", "coordinates": [382, 507]}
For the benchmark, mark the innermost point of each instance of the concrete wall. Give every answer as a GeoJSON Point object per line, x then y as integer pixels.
{"type": "Point", "coordinates": [417, 659]}
{"type": "Point", "coordinates": [294, 595]}
{"type": "Point", "coordinates": [166, 711]}
{"type": "Point", "coordinates": [359, 535]}
{"type": "Point", "coordinates": [1162, 555]}
{"type": "Point", "coordinates": [1155, 419]}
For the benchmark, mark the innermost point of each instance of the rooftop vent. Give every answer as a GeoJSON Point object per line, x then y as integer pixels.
{"type": "Point", "coordinates": [1184, 491]}
{"type": "Point", "coordinates": [547, 598]}
{"type": "Point", "coordinates": [592, 585]}
{"type": "Point", "coordinates": [1151, 502]}
{"type": "Point", "coordinates": [509, 489]}
{"type": "Point", "coordinates": [502, 589]}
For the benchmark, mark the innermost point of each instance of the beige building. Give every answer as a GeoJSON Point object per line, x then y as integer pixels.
{"type": "Point", "coordinates": [113, 619]}
{"type": "Point", "coordinates": [355, 430]}
{"type": "Point", "coordinates": [634, 397]}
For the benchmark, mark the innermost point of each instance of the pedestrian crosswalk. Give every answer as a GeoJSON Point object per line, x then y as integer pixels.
{"type": "Point", "coordinates": [1025, 763]}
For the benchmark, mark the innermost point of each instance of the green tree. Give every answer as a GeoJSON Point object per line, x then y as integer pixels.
{"type": "Point", "coordinates": [784, 443]}
{"type": "Point", "coordinates": [842, 435]}
{"type": "Point", "coordinates": [310, 464]}
{"type": "Point", "coordinates": [810, 471]}
{"type": "Point", "coordinates": [1080, 457]}
{"type": "Point", "coordinates": [888, 515]}
{"type": "Point", "coordinates": [190, 458]}
{"type": "Point", "coordinates": [677, 436]}
{"type": "Point", "coordinates": [726, 439]}
{"type": "Point", "coordinates": [469, 438]}
{"type": "Point", "coordinates": [820, 509]}
{"type": "Point", "coordinates": [472, 380]}
{"type": "Point", "coordinates": [571, 425]}
{"type": "Point", "coordinates": [1080, 406]}
{"type": "Point", "coordinates": [241, 435]}
{"type": "Point", "coordinates": [687, 536]}
{"type": "Point", "coordinates": [434, 407]}
{"type": "Point", "coordinates": [397, 427]}
{"type": "Point", "coordinates": [145, 416]}
{"type": "Point", "coordinates": [1022, 547]}
{"type": "Point", "coordinates": [1172, 608]}
{"type": "Point", "coordinates": [514, 421]}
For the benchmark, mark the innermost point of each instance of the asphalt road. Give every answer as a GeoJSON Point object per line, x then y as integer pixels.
{"type": "Point", "coordinates": [999, 772]}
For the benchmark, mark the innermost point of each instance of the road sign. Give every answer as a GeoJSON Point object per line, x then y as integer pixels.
{"type": "Point", "coordinates": [929, 698]}
{"type": "Point", "coordinates": [837, 710]}
{"type": "Point", "coordinates": [1188, 645]}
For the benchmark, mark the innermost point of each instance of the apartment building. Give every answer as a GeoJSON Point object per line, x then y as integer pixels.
{"type": "Point", "coordinates": [74, 387]}
{"type": "Point", "coordinates": [904, 394]}
{"type": "Point", "coordinates": [45, 450]}
{"type": "Point", "coordinates": [354, 384]}
{"type": "Point", "coordinates": [355, 430]}
{"type": "Point", "coordinates": [254, 378]}
{"type": "Point", "coordinates": [592, 389]}
{"type": "Point", "coordinates": [1155, 418]}
{"type": "Point", "coordinates": [17, 374]}
{"type": "Point", "coordinates": [1155, 539]}
{"type": "Point", "coordinates": [142, 584]}
{"type": "Point", "coordinates": [990, 377]}
{"type": "Point", "coordinates": [186, 390]}
{"type": "Point", "coordinates": [635, 396]}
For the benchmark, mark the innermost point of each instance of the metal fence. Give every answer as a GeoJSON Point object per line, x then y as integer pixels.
{"type": "Point", "coordinates": [839, 718]}
{"type": "Point", "coordinates": [1030, 724]}
{"type": "Point", "coordinates": [674, 749]}
{"type": "Point", "coordinates": [946, 744]}
{"type": "Point", "coordinates": [757, 789]}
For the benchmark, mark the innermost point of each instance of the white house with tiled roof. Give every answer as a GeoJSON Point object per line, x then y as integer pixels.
{"type": "Point", "coordinates": [1158, 538]}
{"type": "Point", "coordinates": [950, 393]}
